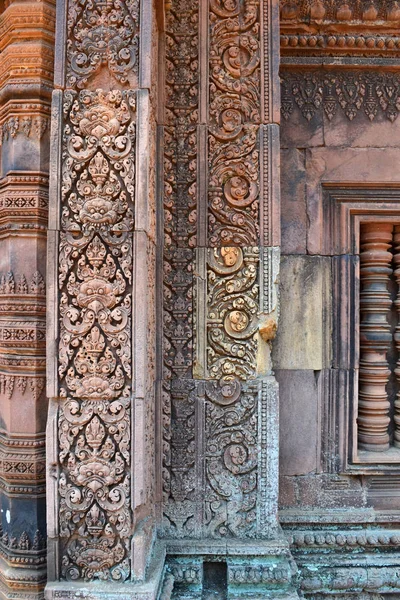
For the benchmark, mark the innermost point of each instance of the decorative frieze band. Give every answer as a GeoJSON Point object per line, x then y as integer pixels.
{"type": "Point", "coordinates": [368, 93]}
{"type": "Point", "coordinates": [376, 11]}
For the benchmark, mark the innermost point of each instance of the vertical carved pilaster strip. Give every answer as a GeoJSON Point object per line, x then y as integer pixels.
{"type": "Point", "coordinates": [375, 336]}
{"type": "Point", "coordinates": [95, 368]}
{"type": "Point", "coordinates": [180, 229]}
{"type": "Point", "coordinates": [396, 240]}
{"type": "Point", "coordinates": [234, 118]}
{"type": "Point", "coordinates": [103, 220]}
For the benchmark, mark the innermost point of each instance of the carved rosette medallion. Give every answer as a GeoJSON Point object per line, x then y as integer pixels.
{"type": "Point", "coordinates": [234, 112]}
{"type": "Point", "coordinates": [102, 33]}
{"type": "Point", "coordinates": [95, 281]}
{"type": "Point", "coordinates": [232, 318]}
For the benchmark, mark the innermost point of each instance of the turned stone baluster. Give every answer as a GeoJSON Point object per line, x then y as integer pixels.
{"type": "Point", "coordinates": [397, 335]}
{"type": "Point", "coordinates": [375, 336]}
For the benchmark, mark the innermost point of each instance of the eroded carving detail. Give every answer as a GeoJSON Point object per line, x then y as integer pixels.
{"type": "Point", "coordinates": [102, 33]}
{"type": "Point", "coordinates": [179, 476]}
{"type": "Point", "coordinates": [95, 328]}
{"type": "Point", "coordinates": [231, 426]}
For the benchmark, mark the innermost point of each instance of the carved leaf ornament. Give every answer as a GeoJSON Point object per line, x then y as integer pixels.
{"type": "Point", "coordinates": [95, 329]}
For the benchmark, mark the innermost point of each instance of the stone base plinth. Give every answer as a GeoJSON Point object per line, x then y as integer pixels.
{"type": "Point", "coordinates": [235, 570]}
{"type": "Point", "coordinates": [146, 590]}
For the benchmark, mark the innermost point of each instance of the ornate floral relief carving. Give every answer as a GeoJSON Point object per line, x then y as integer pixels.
{"type": "Point", "coordinates": [95, 278]}
{"type": "Point", "coordinates": [231, 426]}
{"type": "Point", "coordinates": [102, 33]}
{"type": "Point", "coordinates": [234, 117]}
{"type": "Point", "coordinates": [180, 173]}
{"type": "Point", "coordinates": [352, 93]}
{"type": "Point", "coordinates": [232, 317]}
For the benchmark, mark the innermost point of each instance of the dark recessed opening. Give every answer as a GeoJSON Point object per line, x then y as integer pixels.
{"type": "Point", "coordinates": [215, 581]}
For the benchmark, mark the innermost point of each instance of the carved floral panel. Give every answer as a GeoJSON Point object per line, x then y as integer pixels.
{"type": "Point", "coordinates": [231, 458]}
{"type": "Point", "coordinates": [95, 281]}
{"type": "Point", "coordinates": [232, 312]}
{"type": "Point", "coordinates": [352, 93]}
{"type": "Point", "coordinates": [102, 33]}
{"type": "Point", "coordinates": [234, 115]}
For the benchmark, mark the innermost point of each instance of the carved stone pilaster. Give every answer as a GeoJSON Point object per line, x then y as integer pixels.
{"type": "Point", "coordinates": [375, 336]}
{"type": "Point", "coordinates": [101, 342]}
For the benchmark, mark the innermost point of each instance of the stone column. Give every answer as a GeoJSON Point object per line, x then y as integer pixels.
{"type": "Point", "coordinates": [221, 271]}
{"type": "Point", "coordinates": [101, 330]}
{"type": "Point", "coordinates": [26, 81]}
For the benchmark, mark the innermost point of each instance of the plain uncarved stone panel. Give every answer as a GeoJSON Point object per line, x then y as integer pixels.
{"type": "Point", "coordinates": [293, 202]}
{"type": "Point", "coordinates": [361, 132]}
{"type": "Point", "coordinates": [297, 132]}
{"type": "Point", "coordinates": [304, 338]}
{"type": "Point", "coordinates": [298, 422]}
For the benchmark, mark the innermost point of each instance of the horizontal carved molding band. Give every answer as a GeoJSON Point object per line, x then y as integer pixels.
{"type": "Point", "coordinates": [11, 285]}
{"type": "Point", "coordinates": [23, 550]}
{"type": "Point", "coordinates": [10, 383]}
{"type": "Point", "coordinates": [350, 92]}
{"type": "Point", "coordinates": [343, 539]}
{"type": "Point", "coordinates": [30, 127]}
{"type": "Point", "coordinates": [23, 460]}
{"type": "Point", "coordinates": [340, 11]}
{"type": "Point", "coordinates": [351, 578]}
{"type": "Point", "coordinates": [354, 44]}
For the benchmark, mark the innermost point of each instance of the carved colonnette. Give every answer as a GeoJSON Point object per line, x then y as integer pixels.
{"type": "Point", "coordinates": [375, 336]}
{"type": "Point", "coordinates": [101, 459]}
{"type": "Point", "coordinates": [26, 79]}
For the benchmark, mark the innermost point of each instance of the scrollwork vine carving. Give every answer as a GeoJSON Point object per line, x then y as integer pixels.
{"type": "Point", "coordinates": [230, 459]}
{"type": "Point", "coordinates": [232, 318]}
{"type": "Point", "coordinates": [234, 116]}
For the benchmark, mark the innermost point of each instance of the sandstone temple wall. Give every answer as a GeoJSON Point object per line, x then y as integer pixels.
{"type": "Point", "coordinates": [199, 299]}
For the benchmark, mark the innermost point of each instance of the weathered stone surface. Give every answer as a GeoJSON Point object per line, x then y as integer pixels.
{"type": "Point", "coordinates": [303, 339]}
{"type": "Point", "coordinates": [293, 200]}
{"type": "Point", "coordinates": [299, 444]}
